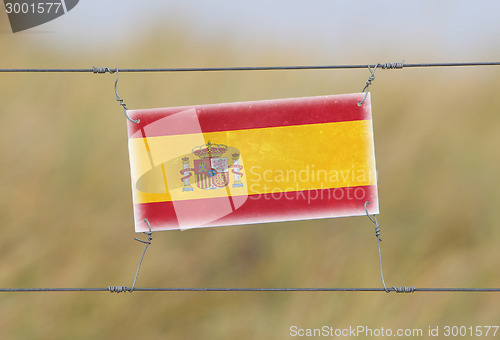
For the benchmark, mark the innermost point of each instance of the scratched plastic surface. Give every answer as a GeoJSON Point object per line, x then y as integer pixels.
{"type": "Point", "coordinates": [252, 162]}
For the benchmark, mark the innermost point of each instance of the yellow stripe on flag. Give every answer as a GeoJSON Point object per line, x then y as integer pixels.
{"type": "Point", "coordinates": [276, 159]}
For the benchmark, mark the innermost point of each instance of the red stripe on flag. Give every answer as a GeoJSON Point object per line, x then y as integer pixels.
{"type": "Point", "coordinates": [253, 115]}
{"type": "Point", "coordinates": [262, 208]}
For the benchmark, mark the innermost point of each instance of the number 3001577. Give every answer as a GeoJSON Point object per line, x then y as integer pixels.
{"type": "Point", "coordinates": [455, 331]}
{"type": "Point", "coordinates": [40, 8]}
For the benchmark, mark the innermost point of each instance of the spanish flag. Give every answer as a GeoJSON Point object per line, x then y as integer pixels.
{"type": "Point", "coordinates": [252, 162]}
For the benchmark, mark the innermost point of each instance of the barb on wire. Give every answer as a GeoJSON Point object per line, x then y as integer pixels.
{"type": "Point", "coordinates": [392, 66]}
{"type": "Point", "coordinates": [117, 289]}
{"type": "Point", "coordinates": [103, 70]}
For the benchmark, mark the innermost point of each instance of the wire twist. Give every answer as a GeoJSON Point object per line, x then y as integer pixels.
{"type": "Point", "coordinates": [122, 289]}
{"type": "Point", "coordinates": [385, 66]}
{"type": "Point", "coordinates": [404, 289]}
{"type": "Point", "coordinates": [120, 100]}
{"type": "Point", "coordinates": [374, 220]}
{"type": "Point", "coordinates": [147, 242]}
{"type": "Point", "coordinates": [102, 70]}
{"type": "Point", "coordinates": [117, 289]}
{"type": "Point", "coordinates": [368, 83]}
{"type": "Point", "coordinates": [377, 234]}
{"type": "Point", "coordinates": [389, 66]}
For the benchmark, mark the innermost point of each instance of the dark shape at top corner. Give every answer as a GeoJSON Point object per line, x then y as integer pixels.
{"type": "Point", "coordinates": [70, 4]}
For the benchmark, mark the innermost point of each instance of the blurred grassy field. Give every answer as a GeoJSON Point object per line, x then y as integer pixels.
{"type": "Point", "coordinates": [66, 210]}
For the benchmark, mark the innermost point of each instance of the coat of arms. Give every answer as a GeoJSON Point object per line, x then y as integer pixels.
{"type": "Point", "coordinates": [211, 169]}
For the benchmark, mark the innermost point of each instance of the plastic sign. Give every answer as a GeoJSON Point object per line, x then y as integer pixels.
{"type": "Point", "coordinates": [252, 162]}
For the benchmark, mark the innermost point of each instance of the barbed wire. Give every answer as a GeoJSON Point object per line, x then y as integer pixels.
{"type": "Point", "coordinates": [398, 65]}
{"type": "Point", "coordinates": [120, 289]}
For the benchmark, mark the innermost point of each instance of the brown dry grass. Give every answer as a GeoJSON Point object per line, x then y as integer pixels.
{"type": "Point", "coordinates": [66, 217]}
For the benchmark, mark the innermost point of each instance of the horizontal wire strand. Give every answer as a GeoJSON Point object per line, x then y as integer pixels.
{"type": "Point", "coordinates": [246, 68]}
{"type": "Point", "coordinates": [125, 289]}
